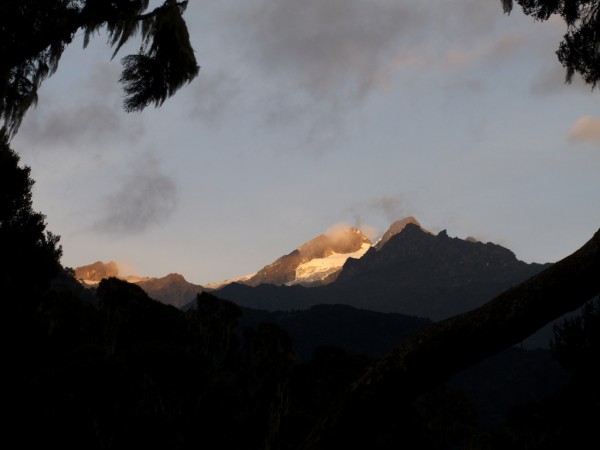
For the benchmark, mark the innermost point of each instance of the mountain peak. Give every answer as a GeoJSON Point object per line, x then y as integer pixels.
{"type": "Point", "coordinates": [172, 289]}
{"type": "Point", "coordinates": [397, 227]}
{"type": "Point", "coordinates": [317, 261]}
{"type": "Point", "coordinates": [93, 273]}
{"type": "Point", "coordinates": [416, 273]}
{"type": "Point", "coordinates": [174, 277]}
{"type": "Point", "coordinates": [338, 239]}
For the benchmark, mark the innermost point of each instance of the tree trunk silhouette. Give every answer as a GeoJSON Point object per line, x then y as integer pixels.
{"type": "Point", "coordinates": [375, 411]}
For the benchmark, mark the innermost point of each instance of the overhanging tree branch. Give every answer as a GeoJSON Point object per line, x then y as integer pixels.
{"type": "Point", "coordinates": [34, 34]}
{"type": "Point", "coordinates": [579, 51]}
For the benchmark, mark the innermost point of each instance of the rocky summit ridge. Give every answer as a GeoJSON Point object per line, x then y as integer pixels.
{"type": "Point", "coordinates": [316, 262]}
{"type": "Point", "coordinates": [92, 274]}
{"type": "Point", "coordinates": [396, 228]}
{"type": "Point", "coordinates": [172, 289]}
{"type": "Point", "coordinates": [415, 272]}
{"type": "Point", "coordinates": [409, 270]}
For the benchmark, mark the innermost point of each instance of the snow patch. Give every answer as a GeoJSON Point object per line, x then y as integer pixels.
{"type": "Point", "coordinates": [319, 268]}
{"type": "Point", "coordinates": [219, 284]}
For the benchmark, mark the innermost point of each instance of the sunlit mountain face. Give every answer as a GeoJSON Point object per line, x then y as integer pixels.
{"type": "Point", "coordinates": [92, 274]}
{"type": "Point", "coordinates": [408, 270]}
{"type": "Point", "coordinates": [317, 261]}
{"type": "Point", "coordinates": [412, 271]}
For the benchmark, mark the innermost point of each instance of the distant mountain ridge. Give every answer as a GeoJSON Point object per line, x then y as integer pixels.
{"type": "Point", "coordinates": [92, 274]}
{"type": "Point", "coordinates": [172, 289]}
{"type": "Point", "coordinates": [315, 263]}
{"type": "Point", "coordinates": [409, 271]}
{"type": "Point", "coordinates": [414, 272]}
{"type": "Point", "coordinates": [319, 261]}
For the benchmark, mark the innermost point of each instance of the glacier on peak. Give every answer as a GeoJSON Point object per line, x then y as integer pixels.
{"type": "Point", "coordinates": [318, 269]}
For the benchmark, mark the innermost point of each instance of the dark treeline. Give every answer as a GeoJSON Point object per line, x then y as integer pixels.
{"type": "Point", "coordinates": [120, 370]}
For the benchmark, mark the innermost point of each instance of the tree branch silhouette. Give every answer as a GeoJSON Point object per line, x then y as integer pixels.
{"type": "Point", "coordinates": [34, 34]}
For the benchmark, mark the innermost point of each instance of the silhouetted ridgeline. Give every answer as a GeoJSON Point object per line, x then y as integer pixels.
{"type": "Point", "coordinates": [172, 289]}
{"type": "Point", "coordinates": [414, 273]}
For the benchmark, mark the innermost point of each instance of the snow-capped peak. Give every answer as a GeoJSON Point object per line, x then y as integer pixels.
{"type": "Point", "coordinates": [318, 269]}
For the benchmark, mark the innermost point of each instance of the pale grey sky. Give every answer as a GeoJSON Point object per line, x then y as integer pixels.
{"type": "Point", "coordinates": [307, 113]}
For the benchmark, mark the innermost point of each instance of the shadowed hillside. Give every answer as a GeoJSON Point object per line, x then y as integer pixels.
{"type": "Point", "coordinates": [172, 289]}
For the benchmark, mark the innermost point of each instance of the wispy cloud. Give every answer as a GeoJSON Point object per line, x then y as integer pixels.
{"type": "Point", "coordinates": [551, 79]}
{"type": "Point", "coordinates": [486, 51]}
{"type": "Point", "coordinates": [91, 122]}
{"type": "Point", "coordinates": [346, 47]}
{"type": "Point", "coordinates": [390, 207]}
{"type": "Point", "coordinates": [147, 197]}
{"type": "Point", "coordinates": [89, 114]}
{"type": "Point", "coordinates": [326, 46]}
{"type": "Point", "coordinates": [213, 93]}
{"type": "Point", "coordinates": [585, 129]}
{"type": "Point", "coordinates": [318, 61]}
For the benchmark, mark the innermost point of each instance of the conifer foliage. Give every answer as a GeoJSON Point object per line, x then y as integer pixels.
{"type": "Point", "coordinates": [34, 34]}
{"type": "Point", "coordinates": [579, 52]}
{"type": "Point", "coordinates": [30, 254]}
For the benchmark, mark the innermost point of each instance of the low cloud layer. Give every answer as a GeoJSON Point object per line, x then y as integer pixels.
{"type": "Point", "coordinates": [586, 129]}
{"type": "Point", "coordinates": [146, 198]}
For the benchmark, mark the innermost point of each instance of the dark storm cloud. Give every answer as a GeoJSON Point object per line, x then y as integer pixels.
{"type": "Point", "coordinates": [146, 198]}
